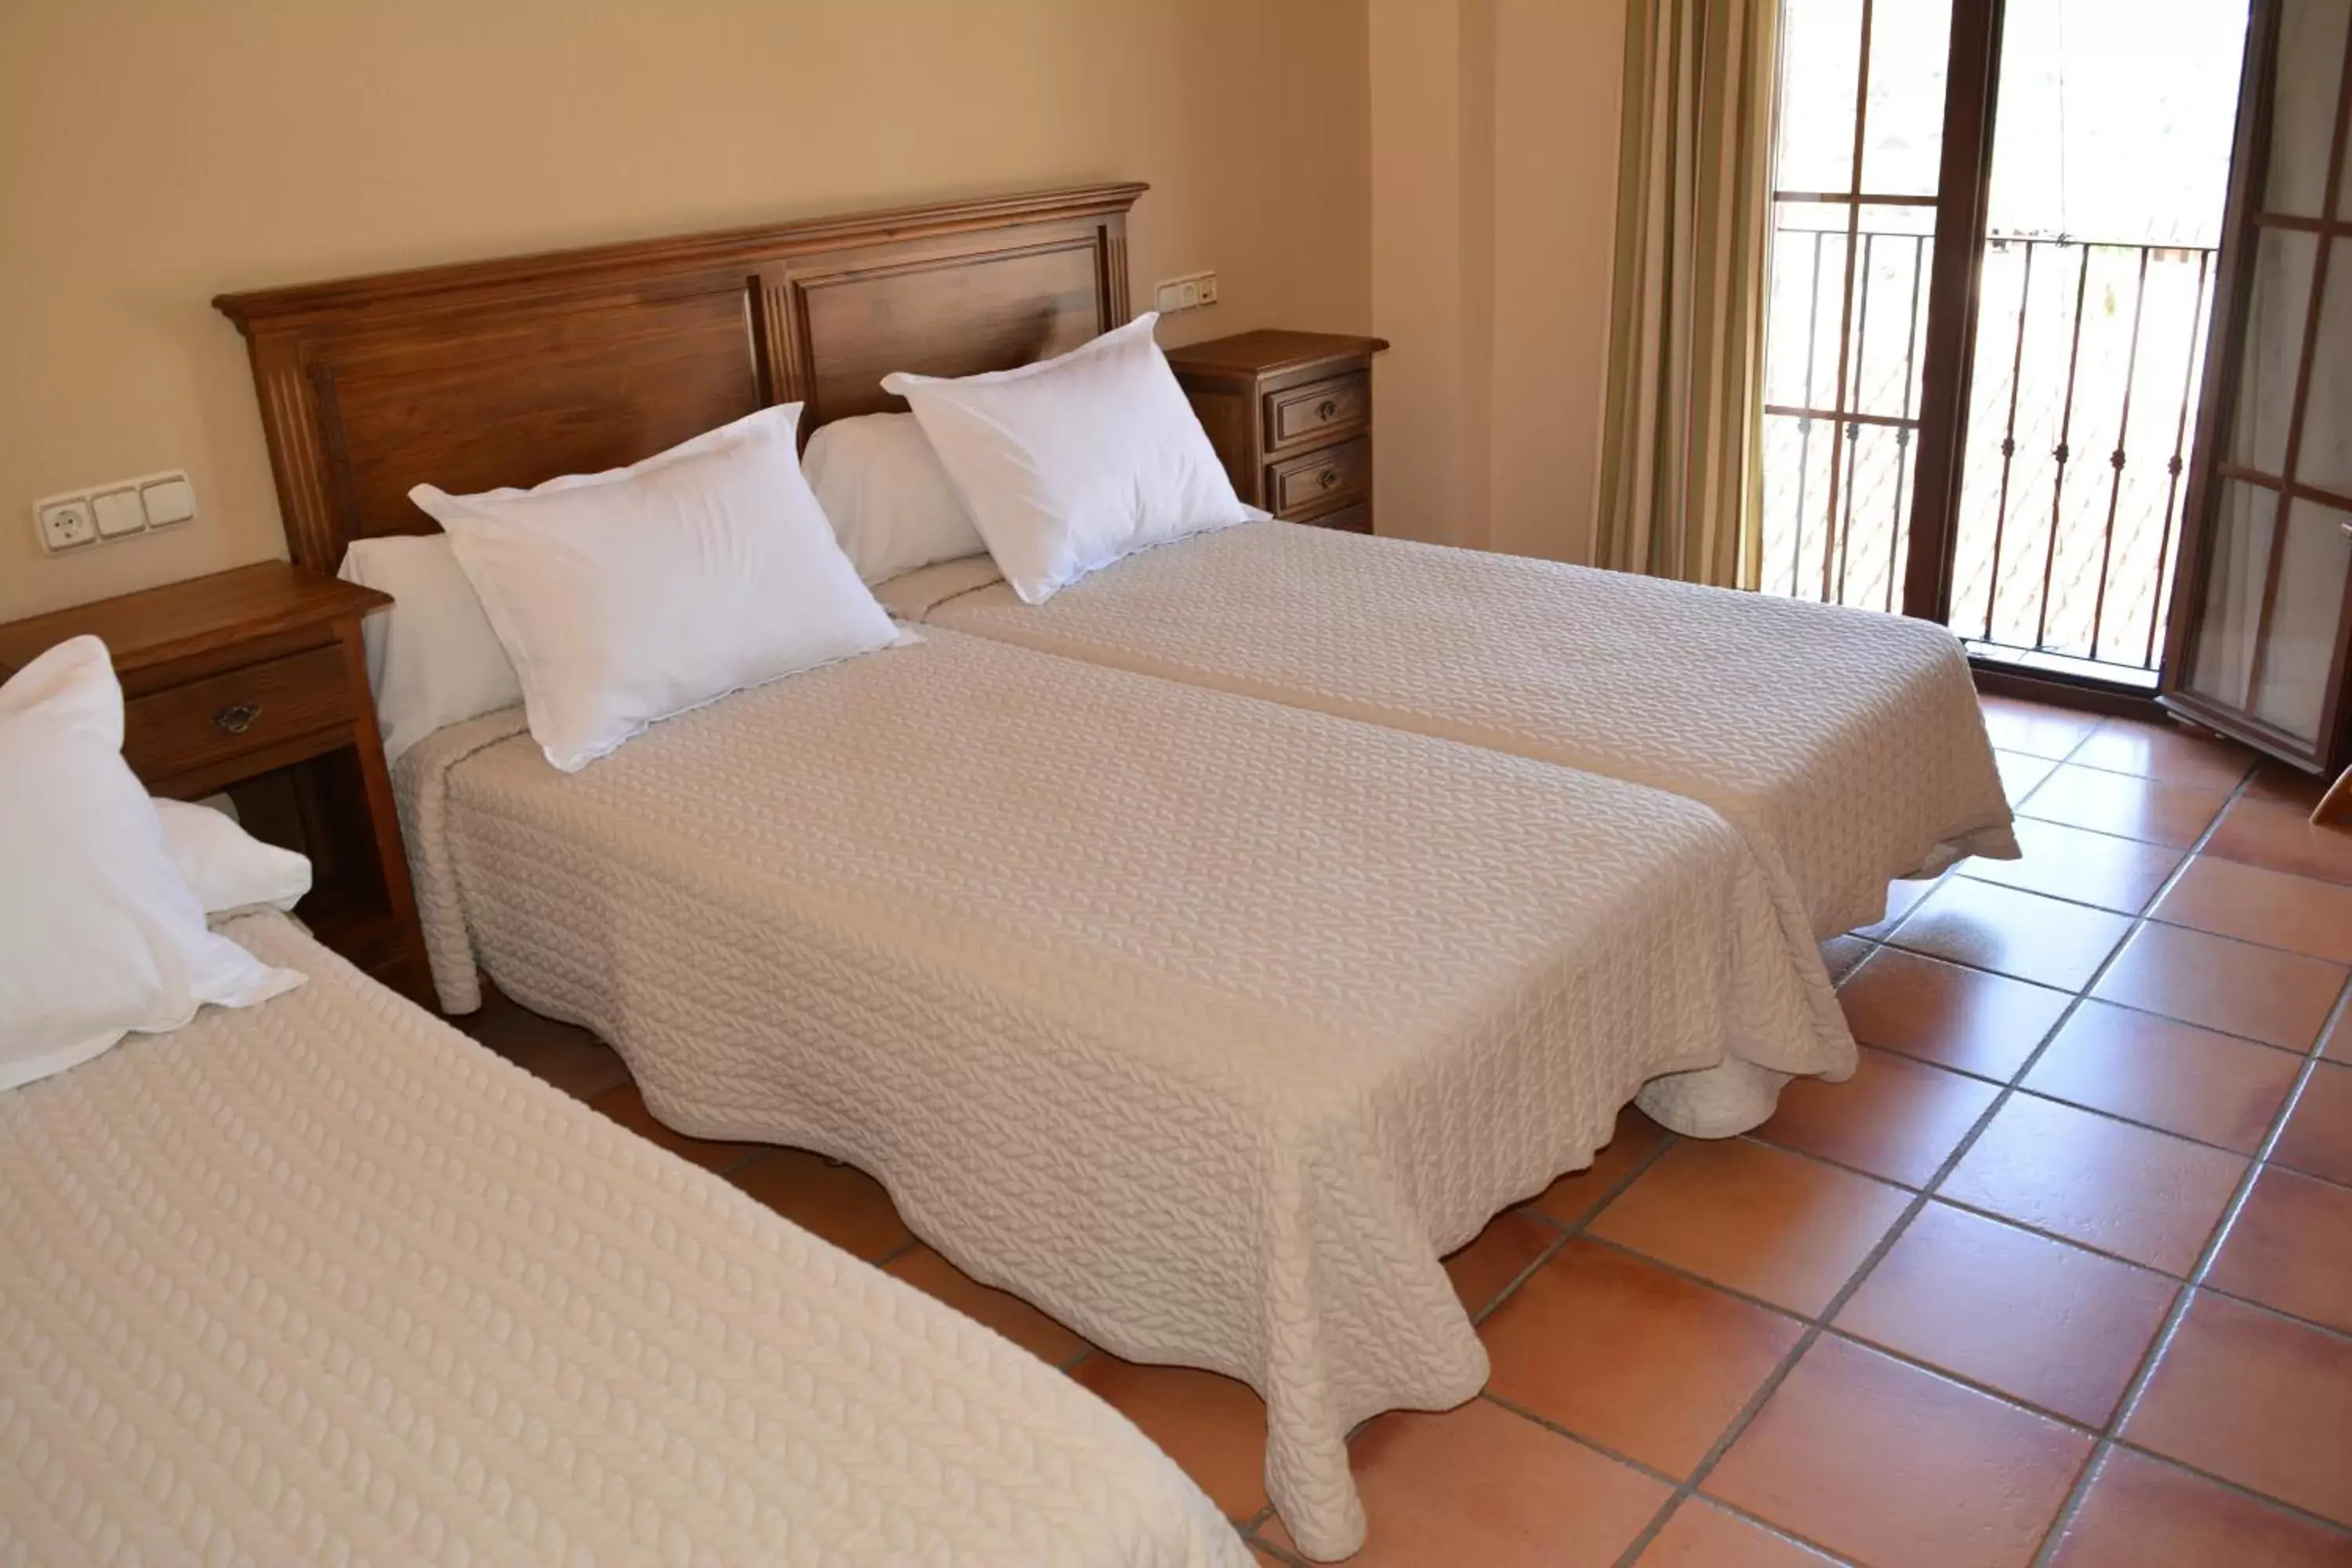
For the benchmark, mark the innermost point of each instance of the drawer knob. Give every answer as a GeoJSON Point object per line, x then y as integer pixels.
{"type": "Point", "coordinates": [1328, 478]}
{"type": "Point", "coordinates": [237, 718]}
{"type": "Point", "coordinates": [1328, 410]}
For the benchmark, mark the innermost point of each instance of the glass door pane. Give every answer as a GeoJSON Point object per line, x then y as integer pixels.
{"type": "Point", "coordinates": [2111, 160]}
{"type": "Point", "coordinates": [1858, 154]}
{"type": "Point", "coordinates": [2302, 106]}
{"type": "Point", "coordinates": [2271, 579]}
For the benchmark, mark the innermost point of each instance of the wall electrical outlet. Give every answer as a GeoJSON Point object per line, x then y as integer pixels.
{"type": "Point", "coordinates": [67, 523]}
{"type": "Point", "coordinates": [1187, 293]}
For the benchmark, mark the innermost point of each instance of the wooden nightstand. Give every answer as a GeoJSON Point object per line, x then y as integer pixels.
{"type": "Point", "coordinates": [253, 682]}
{"type": "Point", "coordinates": [1290, 414]}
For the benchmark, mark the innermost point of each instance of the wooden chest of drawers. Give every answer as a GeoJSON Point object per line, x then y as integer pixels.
{"type": "Point", "coordinates": [1290, 414]}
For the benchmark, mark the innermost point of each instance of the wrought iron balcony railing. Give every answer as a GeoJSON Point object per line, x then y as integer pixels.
{"type": "Point", "coordinates": [2081, 408]}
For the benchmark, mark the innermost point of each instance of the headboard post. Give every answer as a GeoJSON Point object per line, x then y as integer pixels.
{"type": "Point", "coordinates": [510, 372]}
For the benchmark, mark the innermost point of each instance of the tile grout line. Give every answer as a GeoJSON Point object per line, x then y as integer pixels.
{"type": "Point", "coordinates": [1754, 1136]}
{"type": "Point", "coordinates": [2236, 1488]}
{"type": "Point", "coordinates": [2011, 1222]}
{"type": "Point", "coordinates": [1664, 1478]}
{"type": "Point", "coordinates": [2185, 1296]}
{"type": "Point", "coordinates": [1824, 1323]}
{"type": "Point", "coordinates": [1879, 944]}
{"type": "Point", "coordinates": [1981, 1079]}
{"type": "Point", "coordinates": [1885, 1244]}
{"type": "Point", "coordinates": [894, 1254]}
{"type": "Point", "coordinates": [2262, 1161]}
{"type": "Point", "coordinates": [1567, 1232]}
{"type": "Point", "coordinates": [1570, 1232]}
{"type": "Point", "coordinates": [2087, 1428]}
{"type": "Point", "coordinates": [2146, 915]}
{"type": "Point", "coordinates": [1919, 1199]}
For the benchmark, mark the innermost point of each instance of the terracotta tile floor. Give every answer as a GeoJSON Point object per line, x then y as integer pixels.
{"type": "Point", "coordinates": [2063, 1277]}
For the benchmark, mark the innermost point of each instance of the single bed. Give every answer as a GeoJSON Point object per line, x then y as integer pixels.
{"type": "Point", "coordinates": [323, 1280]}
{"type": "Point", "coordinates": [1846, 745]}
{"type": "Point", "coordinates": [1206, 1023]}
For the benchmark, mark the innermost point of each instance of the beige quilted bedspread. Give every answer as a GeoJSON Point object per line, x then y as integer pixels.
{"type": "Point", "coordinates": [1847, 745]}
{"type": "Point", "coordinates": [1206, 1024]}
{"type": "Point", "coordinates": [325, 1282]}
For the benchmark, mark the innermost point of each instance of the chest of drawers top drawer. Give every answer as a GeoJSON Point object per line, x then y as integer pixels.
{"type": "Point", "coordinates": [1319, 411]}
{"type": "Point", "coordinates": [180, 730]}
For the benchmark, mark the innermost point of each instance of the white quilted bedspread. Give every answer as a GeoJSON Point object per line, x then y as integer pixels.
{"type": "Point", "coordinates": [1206, 1024]}
{"type": "Point", "coordinates": [325, 1282]}
{"type": "Point", "coordinates": [1846, 744]}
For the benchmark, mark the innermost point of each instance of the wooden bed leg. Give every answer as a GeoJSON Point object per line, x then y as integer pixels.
{"type": "Point", "coordinates": [2335, 806]}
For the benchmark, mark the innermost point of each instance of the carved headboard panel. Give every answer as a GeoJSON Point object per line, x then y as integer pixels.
{"type": "Point", "coordinates": [513, 370]}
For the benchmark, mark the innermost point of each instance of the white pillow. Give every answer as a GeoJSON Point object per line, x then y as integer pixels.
{"type": "Point", "coordinates": [433, 659]}
{"type": "Point", "coordinates": [1069, 464]}
{"type": "Point", "coordinates": [624, 597]}
{"type": "Point", "coordinates": [226, 867]}
{"type": "Point", "coordinates": [886, 496]}
{"type": "Point", "coordinates": [99, 936]}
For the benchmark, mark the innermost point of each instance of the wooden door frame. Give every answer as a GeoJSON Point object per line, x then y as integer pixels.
{"type": "Point", "coordinates": [2218, 388]}
{"type": "Point", "coordinates": [1963, 198]}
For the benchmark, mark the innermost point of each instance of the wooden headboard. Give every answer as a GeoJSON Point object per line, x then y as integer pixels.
{"type": "Point", "coordinates": [513, 370]}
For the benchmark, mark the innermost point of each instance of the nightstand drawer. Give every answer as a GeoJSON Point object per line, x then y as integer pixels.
{"type": "Point", "coordinates": [1319, 482]}
{"type": "Point", "coordinates": [1356, 517]}
{"type": "Point", "coordinates": [181, 729]}
{"type": "Point", "coordinates": [1319, 410]}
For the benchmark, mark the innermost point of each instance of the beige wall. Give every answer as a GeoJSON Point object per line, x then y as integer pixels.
{"type": "Point", "coordinates": [155, 153]}
{"type": "Point", "coordinates": [1494, 132]}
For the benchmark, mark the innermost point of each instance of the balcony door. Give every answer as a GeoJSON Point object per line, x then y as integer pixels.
{"type": "Point", "coordinates": [2264, 635]}
{"type": "Point", "coordinates": [1993, 265]}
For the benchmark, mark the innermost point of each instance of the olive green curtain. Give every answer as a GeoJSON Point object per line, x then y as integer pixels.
{"type": "Point", "coordinates": [1681, 486]}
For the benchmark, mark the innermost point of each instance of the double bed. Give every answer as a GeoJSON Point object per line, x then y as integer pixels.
{"type": "Point", "coordinates": [322, 1280]}
{"type": "Point", "coordinates": [1206, 1022]}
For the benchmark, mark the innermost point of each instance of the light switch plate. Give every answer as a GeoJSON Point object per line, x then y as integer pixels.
{"type": "Point", "coordinates": [1187, 293]}
{"type": "Point", "coordinates": [169, 498]}
{"type": "Point", "coordinates": [117, 512]}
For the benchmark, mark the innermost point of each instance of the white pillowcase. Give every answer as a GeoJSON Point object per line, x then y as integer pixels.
{"type": "Point", "coordinates": [627, 596]}
{"type": "Point", "coordinates": [227, 868]}
{"type": "Point", "coordinates": [433, 659]}
{"type": "Point", "coordinates": [99, 935]}
{"type": "Point", "coordinates": [1069, 464]}
{"type": "Point", "coordinates": [888, 499]}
